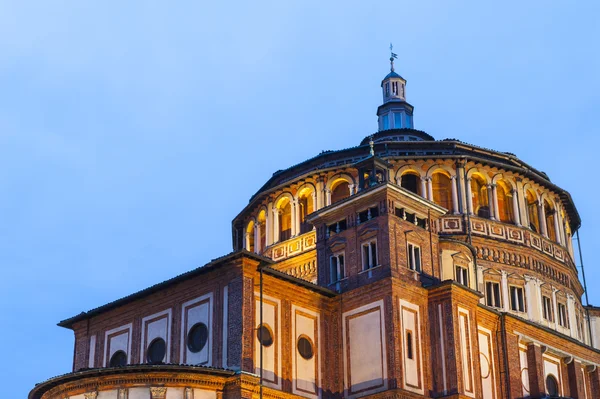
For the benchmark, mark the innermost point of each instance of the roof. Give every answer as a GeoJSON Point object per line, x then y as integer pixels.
{"type": "Point", "coordinates": [38, 391]}
{"type": "Point", "coordinates": [212, 265]}
{"type": "Point", "coordinates": [392, 74]}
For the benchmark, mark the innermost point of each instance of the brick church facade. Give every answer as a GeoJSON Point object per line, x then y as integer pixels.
{"type": "Point", "coordinates": [404, 267]}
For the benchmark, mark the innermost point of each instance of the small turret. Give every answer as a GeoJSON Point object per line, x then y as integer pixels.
{"type": "Point", "coordinates": [395, 112]}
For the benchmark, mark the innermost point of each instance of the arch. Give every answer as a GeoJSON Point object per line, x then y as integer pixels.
{"type": "Point", "coordinates": [306, 205]}
{"type": "Point", "coordinates": [338, 187]}
{"type": "Point", "coordinates": [437, 168]}
{"type": "Point", "coordinates": [480, 195]}
{"type": "Point", "coordinates": [410, 179]}
{"type": "Point", "coordinates": [549, 216]}
{"type": "Point", "coordinates": [406, 169]}
{"type": "Point", "coordinates": [552, 386]}
{"type": "Point", "coordinates": [480, 173]}
{"type": "Point", "coordinates": [334, 180]}
{"type": "Point", "coordinates": [283, 205]}
{"type": "Point", "coordinates": [504, 194]}
{"type": "Point", "coordinates": [510, 184]}
{"type": "Point", "coordinates": [441, 187]}
{"type": "Point", "coordinates": [531, 202]}
{"type": "Point", "coordinates": [249, 240]}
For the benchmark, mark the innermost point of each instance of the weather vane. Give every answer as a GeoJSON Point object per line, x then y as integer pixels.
{"type": "Point", "coordinates": [392, 57]}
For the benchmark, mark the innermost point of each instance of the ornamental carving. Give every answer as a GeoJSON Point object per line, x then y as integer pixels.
{"type": "Point", "coordinates": [90, 395]}
{"type": "Point", "coordinates": [158, 392]}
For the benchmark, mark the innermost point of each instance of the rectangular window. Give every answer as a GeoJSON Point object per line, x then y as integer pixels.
{"type": "Point", "coordinates": [547, 308]}
{"type": "Point", "coordinates": [492, 294]}
{"type": "Point", "coordinates": [562, 315]}
{"type": "Point", "coordinates": [408, 123]}
{"type": "Point", "coordinates": [336, 268]}
{"type": "Point", "coordinates": [414, 257]}
{"type": "Point", "coordinates": [398, 120]}
{"type": "Point", "coordinates": [369, 255]}
{"type": "Point", "coordinates": [516, 299]}
{"type": "Point", "coordinates": [385, 122]}
{"type": "Point", "coordinates": [367, 215]}
{"type": "Point", "coordinates": [409, 345]}
{"type": "Point", "coordinates": [462, 275]}
{"type": "Point", "coordinates": [387, 89]}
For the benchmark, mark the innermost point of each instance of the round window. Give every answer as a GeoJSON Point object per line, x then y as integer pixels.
{"type": "Point", "coordinates": [305, 347]}
{"type": "Point", "coordinates": [156, 351]}
{"type": "Point", "coordinates": [197, 337]}
{"type": "Point", "coordinates": [118, 359]}
{"type": "Point", "coordinates": [264, 335]}
{"type": "Point", "coordinates": [552, 386]}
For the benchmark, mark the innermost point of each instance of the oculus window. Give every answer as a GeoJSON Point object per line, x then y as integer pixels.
{"type": "Point", "coordinates": [156, 351]}
{"type": "Point", "coordinates": [197, 337]}
{"type": "Point", "coordinates": [118, 359]}
{"type": "Point", "coordinates": [264, 335]}
{"type": "Point", "coordinates": [305, 347]}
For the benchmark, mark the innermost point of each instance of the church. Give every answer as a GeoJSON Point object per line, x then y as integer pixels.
{"type": "Point", "coordinates": [404, 267]}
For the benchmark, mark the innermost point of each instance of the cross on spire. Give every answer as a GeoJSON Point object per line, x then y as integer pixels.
{"type": "Point", "coordinates": [392, 57]}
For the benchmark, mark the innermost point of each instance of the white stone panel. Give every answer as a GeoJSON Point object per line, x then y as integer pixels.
{"type": "Point", "coordinates": [112, 394]}
{"type": "Point", "coordinates": [156, 326]}
{"type": "Point", "coordinates": [115, 340]}
{"type": "Point", "coordinates": [175, 393]}
{"type": "Point", "coordinates": [466, 351]}
{"type": "Point", "coordinates": [305, 372]}
{"type": "Point", "coordinates": [204, 394]}
{"type": "Point", "coordinates": [552, 367]}
{"type": "Point", "coordinates": [199, 310]}
{"type": "Point", "coordinates": [524, 369]}
{"type": "Point", "coordinates": [92, 353]}
{"type": "Point", "coordinates": [139, 393]}
{"type": "Point", "coordinates": [410, 327]}
{"type": "Point", "coordinates": [365, 365]}
{"type": "Point", "coordinates": [486, 364]}
{"type": "Point", "coordinates": [77, 397]}
{"type": "Point", "coordinates": [271, 354]}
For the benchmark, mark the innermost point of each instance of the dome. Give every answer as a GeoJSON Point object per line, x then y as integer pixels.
{"type": "Point", "coordinates": [390, 75]}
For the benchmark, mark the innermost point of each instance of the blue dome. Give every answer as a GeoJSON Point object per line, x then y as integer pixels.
{"type": "Point", "coordinates": [392, 75]}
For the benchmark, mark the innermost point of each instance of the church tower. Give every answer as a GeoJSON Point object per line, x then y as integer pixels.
{"type": "Point", "coordinates": [395, 112]}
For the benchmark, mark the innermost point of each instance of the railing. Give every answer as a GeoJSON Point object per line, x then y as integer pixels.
{"type": "Point", "coordinates": [518, 235]}
{"type": "Point", "coordinates": [293, 246]}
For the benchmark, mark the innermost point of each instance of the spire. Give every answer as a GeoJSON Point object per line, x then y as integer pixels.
{"type": "Point", "coordinates": [392, 57]}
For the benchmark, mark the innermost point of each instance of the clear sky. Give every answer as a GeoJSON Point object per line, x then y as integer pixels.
{"type": "Point", "coordinates": [131, 133]}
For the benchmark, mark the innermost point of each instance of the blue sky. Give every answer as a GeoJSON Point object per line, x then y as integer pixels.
{"type": "Point", "coordinates": [131, 133]}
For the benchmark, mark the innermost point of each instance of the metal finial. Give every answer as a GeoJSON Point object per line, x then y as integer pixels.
{"type": "Point", "coordinates": [372, 145]}
{"type": "Point", "coordinates": [392, 57]}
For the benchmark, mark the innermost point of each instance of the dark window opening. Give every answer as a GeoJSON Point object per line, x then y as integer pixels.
{"type": "Point", "coordinates": [264, 335]}
{"type": "Point", "coordinates": [367, 215]}
{"type": "Point", "coordinates": [517, 302]}
{"type": "Point", "coordinates": [409, 345]}
{"type": "Point", "coordinates": [552, 386]}
{"type": "Point", "coordinates": [492, 291]}
{"type": "Point", "coordinates": [156, 351]}
{"type": "Point", "coordinates": [305, 348]}
{"type": "Point", "coordinates": [337, 227]}
{"type": "Point", "coordinates": [197, 337]}
{"type": "Point", "coordinates": [118, 359]}
{"type": "Point", "coordinates": [411, 183]}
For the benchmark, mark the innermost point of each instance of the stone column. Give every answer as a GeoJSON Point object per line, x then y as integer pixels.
{"type": "Point", "coordinates": [554, 306]}
{"type": "Point", "coordinates": [491, 202]}
{"type": "Point", "coordinates": [319, 192]}
{"type": "Point", "coordinates": [158, 392]}
{"type": "Point", "coordinates": [454, 187]}
{"type": "Point", "coordinates": [515, 205]}
{"type": "Point", "coordinates": [469, 197]}
{"type": "Point", "coordinates": [481, 283]}
{"type": "Point", "coordinates": [269, 224]}
{"type": "Point", "coordinates": [296, 217]}
{"type": "Point", "coordinates": [399, 181]}
{"type": "Point", "coordinates": [542, 218]}
{"type": "Point", "coordinates": [424, 187]}
{"type": "Point", "coordinates": [572, 316]}
{"type": "Point", "coordinates": [351, 189]}
{"type": "Point", "coordinates": [495, 198]}
{"type": "Point", "coordinates": [429, 189]}
{"type": "Point", "coordinates": [505, 293]}
{"type": "Point", "coordinates": [327, 197]}
{"type": "Point", "coordinates": [315, 201]}
{"type": "Point", "coordinates": [257, 248]}
{"type": "Point", "coordinates": [275, 225]}
{"type": "Point", "coordinates": [556, 228]}
{"type": "Point", "coordinates": [247, 240]}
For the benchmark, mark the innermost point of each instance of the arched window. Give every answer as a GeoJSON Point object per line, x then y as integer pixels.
{"type": "Point", "coordinates": [285, 219]}
{"type": "Point", "coordinates": [479, 192]}
{"type": "Point", "coordinates": [442, 190]}
{"type": "Point", "coordinates": [250, 236]}
{"type": "Point", "coordinates": [532, 211]}
{"type": "Point", "coordinates": [549, 215]}
{"type": "Point", "coordinates": [411, 182]}
{"type": "Point", "coordinates": [505, 203]}
{"type": "Point", "coordinates": [552, 386]}
{"type": "Point", "coordinates": [262, 220]}
{"type": "Point", "coordinates": [306, 204]}
{"type": "Point", "coordinates": [339, 191]}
